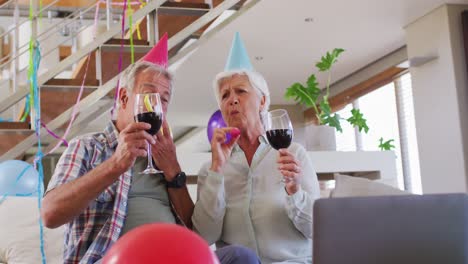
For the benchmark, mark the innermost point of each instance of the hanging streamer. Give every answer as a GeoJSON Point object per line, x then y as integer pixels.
{"type": "Point", "coordinates": [96, 19]}
{"type": "Point", "coordinates": [125, 4]}
{"type": "Point", "coordinates": [35, 59]}
{"type": "Point", "coordinates": [54, 135]}
{"type": "Point", "coordinates": [142, 4]}
{"type": "Point", "coordinates": [75, 110]}
{"type": "Point", "coordinates": [78, 99]}
{"type": "Point", "coordinates": [25, 112]}
{"type": "Point", "coordinates": [117, 90]}
{"type": "Point", "coordinates": [130, 18]}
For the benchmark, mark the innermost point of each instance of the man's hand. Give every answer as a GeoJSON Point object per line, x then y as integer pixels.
{"type": "Point", "coordinates": [132, 144]}
{"type": "Point", "coordinates": [164, 152]}
{"type": "Point", "coordinates": [220, 149]}
{"type": "Point", "coordinates": [291, 169]}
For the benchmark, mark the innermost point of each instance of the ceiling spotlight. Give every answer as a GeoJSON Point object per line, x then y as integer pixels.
{"type": "Point", "coordinates": [309, 19]}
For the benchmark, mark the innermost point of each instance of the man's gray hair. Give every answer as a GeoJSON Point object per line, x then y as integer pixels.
{"type": "Point", "coordinates": [256, 81]}
{"type": "Point", "coordinates": [127, 79]}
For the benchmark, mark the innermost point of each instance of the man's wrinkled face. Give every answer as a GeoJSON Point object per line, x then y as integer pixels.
{"type": "Point", "coordinates": [146, 81]}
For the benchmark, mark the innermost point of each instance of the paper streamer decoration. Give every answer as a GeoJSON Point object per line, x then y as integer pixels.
{"type": "Point", "coordinates": [35, 59]}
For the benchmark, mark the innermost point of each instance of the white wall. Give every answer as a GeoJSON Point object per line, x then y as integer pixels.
{"type": "Point", "coordinates": [461, 73]}
{"type": "Point", "coordinates": [439, 90]}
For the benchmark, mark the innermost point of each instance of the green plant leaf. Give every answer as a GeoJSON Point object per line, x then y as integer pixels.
{"type": "Point", "coordinates": [304, 95]}
{"type": "Point", "coordinates": [327, 117]}
{"type": "Point", "coordinates": [387, 145]}
{"type": "Point", "coordinates": [325, 106]}
{"type": "Point", "coordinates": [328, 60]}
{"type": "Point", "coordinates": [332, 121]}
{"type": "Point", "coordinates": [357, 119]}
{"type": "Point", "coordinates": [300, 94]}
{"type": "Point", "coordinates": [313, 88]}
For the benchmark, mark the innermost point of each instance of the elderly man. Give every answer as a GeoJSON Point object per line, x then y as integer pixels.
{"type": "Point", "coordinates": [97, 190]}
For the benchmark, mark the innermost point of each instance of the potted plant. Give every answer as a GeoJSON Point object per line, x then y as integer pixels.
{"type": "Point", "coordinates": [310, 95]}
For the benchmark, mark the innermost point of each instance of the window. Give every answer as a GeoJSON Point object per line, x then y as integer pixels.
{"type": "Point", "coordinates": [346, 141]}
{"type": "Point", "coordinates": [380, 109]}
{"type": "Point", "coordinates": [390, 114]}
{"type": "Point", "coordinates": [409, 143]}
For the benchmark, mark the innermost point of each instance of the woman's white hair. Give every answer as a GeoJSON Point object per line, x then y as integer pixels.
{"type": "Point", "coordinates": [256, 81]}
{"type": "Point", "coordinates": [127, 78]}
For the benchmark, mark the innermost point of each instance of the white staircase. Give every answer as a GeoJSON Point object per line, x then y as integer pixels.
{"type": "Point", "coordinates": [98, 102]}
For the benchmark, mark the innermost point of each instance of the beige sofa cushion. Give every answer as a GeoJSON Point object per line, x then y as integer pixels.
{"type": "Point", "coordinates": [19, 234]}
{"type": "Point", "coordinates": [348, 186]}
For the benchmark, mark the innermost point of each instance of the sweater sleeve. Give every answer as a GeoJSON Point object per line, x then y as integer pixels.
{"type": "Point", "coordinates": [210, 207]}
{"type": "Point", "coordinates": [299, 205]}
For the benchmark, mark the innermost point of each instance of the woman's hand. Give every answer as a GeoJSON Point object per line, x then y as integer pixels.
{"type": "Point", "coordinates": [289, 166]}
{"type": "Point", "coordinates": [164, 152]}
{"type": "Point", "coordinates": [220, 149]}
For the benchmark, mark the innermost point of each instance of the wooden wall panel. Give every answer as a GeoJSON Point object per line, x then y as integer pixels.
{"type": "Point", "coordinates": [81, 68]}
{"type": "Point", "coordinates": [56, 101]}
{"type": "Point", "coordinates": [64, 51]}
{"type": "Point", "coordinates": [8, 141]}
{"type": "Point", "coordinates": [110, 64]}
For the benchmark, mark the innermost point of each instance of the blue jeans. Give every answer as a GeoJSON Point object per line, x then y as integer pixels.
{"type": "Point", "coordinates": [235, 254]}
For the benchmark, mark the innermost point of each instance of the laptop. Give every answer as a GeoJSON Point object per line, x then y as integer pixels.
{"type": "Point", "coordinates": [407, 229]}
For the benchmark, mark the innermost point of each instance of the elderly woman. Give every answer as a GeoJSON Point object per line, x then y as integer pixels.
{"type": "Point", "coordinates": [241, 196]}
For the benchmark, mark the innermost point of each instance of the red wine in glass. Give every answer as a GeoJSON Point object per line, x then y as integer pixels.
{"type": "Point", "coordinates": [279, 129]}
{"type": "Point", "coordinates": [280, 138]}
{"type": "Point", "coordinates": [152, 118]}
{"type": "Point", "coordinates": [148, 109]}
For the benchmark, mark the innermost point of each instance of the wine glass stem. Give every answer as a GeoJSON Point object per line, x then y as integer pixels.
{"type": "Point", "coordinates": [150, 159]}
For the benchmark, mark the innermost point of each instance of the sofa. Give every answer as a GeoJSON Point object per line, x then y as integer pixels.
{"type": "Point", "coordinates": [19, 234]}
{"type": "Point", "coordinates": [19, 222]}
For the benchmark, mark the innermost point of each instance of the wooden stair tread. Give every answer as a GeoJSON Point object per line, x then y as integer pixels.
{"type": "Point", "coordinates": [23, 132]}
{"type": "Point", "coordinates": [186, 5]}
{"type": "Point", "coordinates": [183, 9]}
{"type": "Point", "coordinates": [14, 125]}
{"type": "Point", "coordinates": [9, 140]}
{"type": "Point", "coordinates": [71, 82]}
{"type": "Point", "coordinates": [116, 41]}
